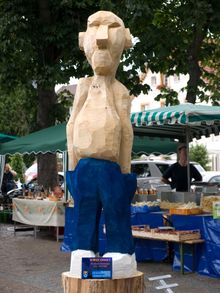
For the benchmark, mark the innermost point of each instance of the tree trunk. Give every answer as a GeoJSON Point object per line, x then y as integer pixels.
{"type": "Point", "coordinates": [47, 170]}
{"type": "Point", "coordinates": [194, 68]}
{"type": "Point", "coordinates": [47, 163]}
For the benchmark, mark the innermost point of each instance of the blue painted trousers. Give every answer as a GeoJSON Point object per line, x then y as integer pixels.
{"type": "Point", "coordinates": [95, 185]}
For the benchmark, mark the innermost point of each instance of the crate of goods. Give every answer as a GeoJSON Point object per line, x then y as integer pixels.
{"type": "Point", "coordinates": [140, 227]}
{"type": "Point", "coordinates": [171, 206]}
{"type": "Point", "coordinates": [177, 197]}
{"type": "Point", "coordinates": [216, 210]}
{"type": "Point", "coordinates": [145, 195]}
{"type": "Point", "coordinates": [207, 202]}
{"type": "Point", "coordinates": [182, 211]}
{"type": "Point", "coordinates": [141, 231]}
{"type": "Point", "coordinates": [175, 235]}
{"type": "Point", "coordinates": [165, 234]}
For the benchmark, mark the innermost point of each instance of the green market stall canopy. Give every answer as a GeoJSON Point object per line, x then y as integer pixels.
{"type": "Point", "coordinates": [179, 122]}
{"type": "Point", "coordinates": [6, 137]}
{"type": "Point", "coordinates": [183, 122]}
{"type": "Point", "coordinates": [53, 139]}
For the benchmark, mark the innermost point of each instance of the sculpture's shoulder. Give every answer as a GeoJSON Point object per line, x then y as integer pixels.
{"type": "Point", "coordinates": [120, 91]}
{"type": "Point", "coordinates": [122, 98]}
{"type": "Point", "coordinates": [84, 84]}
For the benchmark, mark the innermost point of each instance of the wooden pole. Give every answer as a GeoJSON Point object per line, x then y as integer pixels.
{"type": "Point", "coordinates": [133, 284]}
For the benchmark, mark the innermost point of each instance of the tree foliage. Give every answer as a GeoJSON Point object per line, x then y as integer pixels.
{"type": "Point", "coordinates": [39, 39]}
{"type": "Point", "coordinates": [17, 111]}
{"type": "Point", "coordinates": [199, 154]}
{"type": "Point", "coordinates": [177, 37]}
{"type": "Point", "coordinates": [39, 49]}
{"type": "Point", "coordinates": [17, 164]}
{"type": "Point", "coordinates": [170, 96]}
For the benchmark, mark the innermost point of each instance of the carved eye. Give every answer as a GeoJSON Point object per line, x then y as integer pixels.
{"type": "Point", "coordinates": [94, 24]}
{"type": "Point", "coordinates": [114, 25]}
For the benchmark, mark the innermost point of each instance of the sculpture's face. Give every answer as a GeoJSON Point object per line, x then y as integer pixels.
{"type": "Point", "coordinates": [104, 42]}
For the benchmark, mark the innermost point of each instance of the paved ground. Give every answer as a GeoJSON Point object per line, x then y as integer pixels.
{"type": "Point", "coordinates": [35, 266]}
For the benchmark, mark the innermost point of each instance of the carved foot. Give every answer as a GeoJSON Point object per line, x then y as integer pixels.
{"type": "Point", "coordinates": [123, 265]}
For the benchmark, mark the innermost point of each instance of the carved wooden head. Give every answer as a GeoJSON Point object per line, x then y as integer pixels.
{"type": "Point", "coordinates": [104, 41]}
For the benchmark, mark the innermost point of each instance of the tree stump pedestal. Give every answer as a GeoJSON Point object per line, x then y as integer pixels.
{"type": "Point", "coordinates": [133, 284]}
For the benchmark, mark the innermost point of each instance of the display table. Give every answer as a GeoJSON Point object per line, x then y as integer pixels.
{"type": "Point", "coordinates": [207, 255]}
{"type": "Point", "coordinates": [39, 213]}
{"type": "Point", "coordinates": [144, 250]}
{"type": "Point", "coordinates": [168, 238]}
{"type": "Point", "coordinates": [203, 256]}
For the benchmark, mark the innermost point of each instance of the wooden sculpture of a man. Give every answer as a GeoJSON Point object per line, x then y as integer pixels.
{"type": "Point", "coordinates": [99, 137]}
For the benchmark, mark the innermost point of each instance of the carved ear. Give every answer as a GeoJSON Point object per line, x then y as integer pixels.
{"type": "Point", "coordinates": [81, 40]}
{"type": "Point", "coordinates": [128, 42]}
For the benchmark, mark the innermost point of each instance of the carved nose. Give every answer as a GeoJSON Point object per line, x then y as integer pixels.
{"type": "Point", "coordinates": [102, 37]}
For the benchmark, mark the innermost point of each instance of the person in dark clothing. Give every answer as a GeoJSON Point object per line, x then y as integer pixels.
{"type": "Point", "coordinates": [8, 182]}
{"type": "Point", "coordinates": [177, 172]}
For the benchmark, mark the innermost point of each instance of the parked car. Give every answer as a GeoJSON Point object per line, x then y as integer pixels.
{"type": "Point", "coordinates": [149, 173]}
{"type": "Point", "coordinates": [210, 183]}
{"type": "Point", "coordinates": [201, 170]}
{"type": "Point", "coordinates": [212, 177]}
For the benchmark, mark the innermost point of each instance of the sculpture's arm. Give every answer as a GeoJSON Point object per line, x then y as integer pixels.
{"type": "Point", "coordinates": [123, 109]}
{"type": "Point", "coordinates": [79, 100]}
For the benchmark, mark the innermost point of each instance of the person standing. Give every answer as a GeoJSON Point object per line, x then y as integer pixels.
{"type": "Point", "coordinates": [8, 182]}
{"type": "Point", "coordinates": [176, 174]}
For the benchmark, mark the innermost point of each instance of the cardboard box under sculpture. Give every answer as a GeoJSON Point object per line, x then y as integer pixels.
{"type": "Point", "coordinates": [99, 138]}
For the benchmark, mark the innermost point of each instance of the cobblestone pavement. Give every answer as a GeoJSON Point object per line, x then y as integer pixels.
{"type": "Point", "coordinates": [29, 265]}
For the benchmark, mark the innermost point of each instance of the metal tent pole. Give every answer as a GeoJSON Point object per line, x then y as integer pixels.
{"type": "Point", "coordinates": [65, 168]}
{"type": "Point", "coordinates": [188, 162]}
{"type": "Point", "coordinates": [2, 165]}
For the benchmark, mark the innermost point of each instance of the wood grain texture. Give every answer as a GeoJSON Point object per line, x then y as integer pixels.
{"type": "Point", "coordinates": [134, 284]}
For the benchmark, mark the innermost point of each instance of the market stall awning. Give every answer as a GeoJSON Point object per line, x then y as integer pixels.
{"type": "Point", "coordinates": [6, 137]}
{"type": "Point", "coordinates": [144, 144]}
{"type": "Point", "coordinates": [183, 122]}
{"type": "Point", "coordinates": [175, 121]}
{"type": "Point", "coordinates": [53, 139]}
